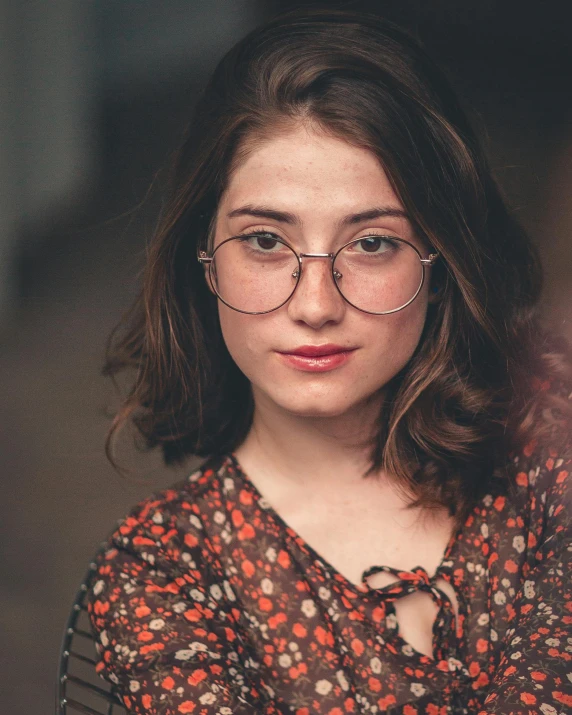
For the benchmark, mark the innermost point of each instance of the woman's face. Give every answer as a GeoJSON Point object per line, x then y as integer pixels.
{"type": "Point", "coordinates": [319, 184]}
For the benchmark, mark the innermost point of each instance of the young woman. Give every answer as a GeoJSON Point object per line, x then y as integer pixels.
{"type": "Point", "coordinates": [339, 314]}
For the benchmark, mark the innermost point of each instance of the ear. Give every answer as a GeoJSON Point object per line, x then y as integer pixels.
{"type": "Point", "coordinates": [206, 268]}
{"type": "Point", "coordinates": [207, 271]}
{"type": "Point", "coordinates": [208, 227]}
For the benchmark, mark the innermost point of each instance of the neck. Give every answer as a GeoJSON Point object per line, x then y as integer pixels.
{"type": "Point", "coordinates": [310, 453]}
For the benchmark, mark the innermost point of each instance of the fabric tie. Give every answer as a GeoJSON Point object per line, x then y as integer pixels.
{"type": "Point", "coordinates": [408, 582]}
{"type": "Point", "coordinates": [419, 580]}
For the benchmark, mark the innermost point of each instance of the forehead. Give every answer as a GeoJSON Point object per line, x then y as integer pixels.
{"type": "Point", "coordinates": [305, 167]}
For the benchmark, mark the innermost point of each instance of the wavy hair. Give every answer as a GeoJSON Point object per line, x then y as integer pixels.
{"type": "Point", "coordinates": [475, 389]}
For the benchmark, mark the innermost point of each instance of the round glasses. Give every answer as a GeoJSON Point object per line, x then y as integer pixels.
{"type": "Point", "coordinates": [257, 273]}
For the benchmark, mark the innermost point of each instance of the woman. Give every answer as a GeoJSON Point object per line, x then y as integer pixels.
{"type": "Point", "coordinates": [339, 314]}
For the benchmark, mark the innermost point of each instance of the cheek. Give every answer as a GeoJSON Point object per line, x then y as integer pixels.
{"type": "Point", "coordinates": [243, 336]}
{"type": "Point", "coordinates": [398, 334]}
{"type": "Point", "coordinates": [410, 321]}
{"type": "Point", "coordinates": [233, 329]}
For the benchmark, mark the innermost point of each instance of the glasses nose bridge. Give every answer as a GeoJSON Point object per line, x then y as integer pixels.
{"type": "Point", "coordinates": [317, 255]}
{"type": "Point", "coordinates": [334, 274]}
{"type": "Point", "coordinates": [301, 256]}
{"type": "Point", "coordinates": [298, 273]}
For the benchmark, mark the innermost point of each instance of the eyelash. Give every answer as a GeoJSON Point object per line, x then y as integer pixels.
{"type": "Point", "coordinates": [259, 232]}
{"type": "Point", "coordinates": [263, 232]}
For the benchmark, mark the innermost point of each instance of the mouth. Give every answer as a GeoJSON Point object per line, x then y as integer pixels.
{"type": "Point", "coordinates": [317, 358]}
{"type": "Point", "coordinates": [312, 351]}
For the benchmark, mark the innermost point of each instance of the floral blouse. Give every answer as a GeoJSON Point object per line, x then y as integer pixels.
{"type": "Point", "coordinates": [206, 601]}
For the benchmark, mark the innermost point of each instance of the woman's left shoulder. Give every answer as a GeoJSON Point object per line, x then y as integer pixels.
{"type": "Point", "coordinates": [542, 468]}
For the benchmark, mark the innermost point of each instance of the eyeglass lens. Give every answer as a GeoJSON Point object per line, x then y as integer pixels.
{"type": "Point", "coordinates": [258, 273]}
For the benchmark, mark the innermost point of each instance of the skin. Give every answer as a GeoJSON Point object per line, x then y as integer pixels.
{"type": "Point", "coordinates": [321, 420]}
{"type": "Point", "coordinates": [308, 448]}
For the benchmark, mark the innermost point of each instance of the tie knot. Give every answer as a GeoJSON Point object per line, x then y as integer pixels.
{"type": "Point", "coordinates": [407, 582]}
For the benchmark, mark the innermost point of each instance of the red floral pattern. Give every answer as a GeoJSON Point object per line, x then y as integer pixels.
{"type": "Point", "coordinates": [207, 602]}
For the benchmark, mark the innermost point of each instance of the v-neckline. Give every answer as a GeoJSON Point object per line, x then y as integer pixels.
{"type": "Point", "coordinates": [453, 663]}
{"type": "Point", "coordinates": [443, 569]}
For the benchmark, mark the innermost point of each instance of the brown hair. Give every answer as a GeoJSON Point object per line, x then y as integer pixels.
{"type": "Point", "coordinates": [474, 389]}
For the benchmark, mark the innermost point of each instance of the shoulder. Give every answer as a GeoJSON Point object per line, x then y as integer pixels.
{"type": "Point", "coordinates": [158, 586]}
{"type": "Point", "coordinates": [167, 528]}
{"type": "Point", "coordinates": [545, 460]}
{"type": "Point", "coordinates": [542, 470]}
{"type": "Point", "coordinates": [542, 478]}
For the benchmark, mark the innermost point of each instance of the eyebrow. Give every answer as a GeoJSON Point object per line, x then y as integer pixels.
{"type": "Point", "coordinates": [292, 219]}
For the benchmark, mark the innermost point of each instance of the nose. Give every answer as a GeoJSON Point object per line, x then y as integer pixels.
{"type": "Point", "coordinates": [316, 300]}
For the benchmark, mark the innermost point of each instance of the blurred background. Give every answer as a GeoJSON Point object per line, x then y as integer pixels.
{"type": "Point", "coordinates": [94, 97]}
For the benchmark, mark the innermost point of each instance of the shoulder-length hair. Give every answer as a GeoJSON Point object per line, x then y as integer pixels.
{"type": "Point", "coordinates": [475, 388]}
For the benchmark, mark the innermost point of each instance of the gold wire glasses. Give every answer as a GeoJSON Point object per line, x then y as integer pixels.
{"type": "Point", "coordinates": [258, 272]}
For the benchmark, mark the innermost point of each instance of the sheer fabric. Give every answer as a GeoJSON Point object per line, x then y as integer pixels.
{"type": "Point", "coordinates": [206, 602]}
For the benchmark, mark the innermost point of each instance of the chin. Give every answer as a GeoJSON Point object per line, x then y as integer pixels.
{"type": "Point", "coordinates": [318, 406]}
{"type": "Point", "coordinates": [318, 411]}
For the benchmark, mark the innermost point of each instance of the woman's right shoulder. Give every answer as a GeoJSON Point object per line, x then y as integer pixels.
{"type": "Point", "coordinates": [157, 583]}
{"type": "Point", "coordinates": [169, 524]}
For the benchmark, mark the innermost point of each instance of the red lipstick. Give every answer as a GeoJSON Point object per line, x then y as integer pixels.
{"type": "Point", "coordinates": [317, 358]}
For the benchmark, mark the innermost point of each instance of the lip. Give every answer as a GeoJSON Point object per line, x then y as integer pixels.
{"type": "Point", "coordinates": [317, 350]}
{"type": "Point", "coordinates": [317, 358]}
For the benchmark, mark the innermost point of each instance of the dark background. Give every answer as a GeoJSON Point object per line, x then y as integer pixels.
{"type": "Point", "coordinates": [94, 98]}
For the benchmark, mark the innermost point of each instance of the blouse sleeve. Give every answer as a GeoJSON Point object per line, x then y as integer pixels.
{"type": "Point", "coordinates": [165, 628]}
{"type": "Point", "coordinates": [534, 676]}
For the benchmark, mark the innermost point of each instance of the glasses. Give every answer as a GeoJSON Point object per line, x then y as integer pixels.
{"type": "Point", "coordinates": [257, 273]}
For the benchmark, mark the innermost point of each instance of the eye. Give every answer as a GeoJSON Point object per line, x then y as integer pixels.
{"type": "Point", "coordinates": [374, 244]}
{"type": "Point", "coordinates": [262, 241]}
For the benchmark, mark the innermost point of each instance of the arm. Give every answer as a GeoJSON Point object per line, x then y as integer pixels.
{"type": "Point", "coordinates": [534, 676]}
{"type": "Point", "coordinates": [166, 633]}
